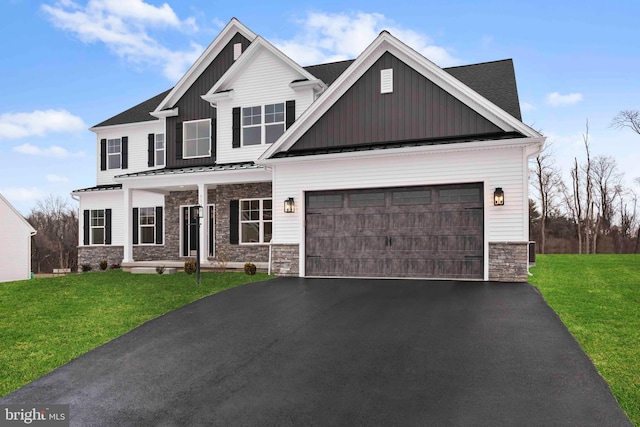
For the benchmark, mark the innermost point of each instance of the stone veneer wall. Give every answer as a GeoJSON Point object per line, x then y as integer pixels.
{"type": "Point", "coordinates": [92, 255]}
{"type": "Point", "coordinates": [508, 261]}
{"type": "Point", "coordinates": [223, 196]}
{"type": "Point", "coordinates": [285, 260]}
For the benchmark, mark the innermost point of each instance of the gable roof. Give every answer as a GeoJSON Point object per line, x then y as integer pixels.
{"type": "Point", "coordinates": [244, 60]}
{"type": "Point", "coordinates": [30, 228]}
{"type": "Point", "coordinates": [136, 114]}
{"type": "Point", "coordinates": [384, 43]}
{"type": "Point", "coordinates": [234, 26]}
{"type": "Point", "coordinates": [329, 72]}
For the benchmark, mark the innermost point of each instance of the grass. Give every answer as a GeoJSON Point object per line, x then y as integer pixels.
{"type": "Point", "coordinates": [598, 299]}
{"type": "Point", "coordinates": [45, 323]}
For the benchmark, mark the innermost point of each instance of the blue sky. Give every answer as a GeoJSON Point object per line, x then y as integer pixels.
{"type": "Point", "coordinates": [69, 64]}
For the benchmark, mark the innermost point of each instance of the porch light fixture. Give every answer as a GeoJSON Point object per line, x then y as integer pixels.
{"type": "Point", "coordinates": [289, 205]}
{"type": "Point", "coordinates": [498, 197]}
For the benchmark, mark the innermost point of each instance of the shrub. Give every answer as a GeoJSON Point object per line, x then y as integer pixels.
{"type": "Point", "coordinates": [115, 266]}
{"type": "Point", "coordinates": [86, 268]}
{"type": "Point", "coordinates": [250, 268]}
{"type": "Point", "coordinates": [190, 266]}
{"type": "Point", "coordinates": [160, 269]}
{"type": "Point", "coordinates": [103, 264]}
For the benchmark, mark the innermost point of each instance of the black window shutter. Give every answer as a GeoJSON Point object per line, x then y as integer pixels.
{"type": "Point", "coordinates": [214, 131]}
{"type": "Point", "coordinates": [136, 219]}
{"type": "Point", "coordinates": [236, 128]}
{"type": "Point", "coordinates": [125, 152]}
{"type": "Point", "coordinates": [234, 222]}
{"type": "Point", "coordinates": [107, 226]}
{"type": "Point", "coordinates": [86, 228]}
{"type": "Point", "coordinates": [179, 141]}
{"type": "Point", "coordinates": [103, 154]}
{"type": "Point", "coordinates": [159, 231]}
{"type": "Point", "coordinates": [151, 154]}
{"type": "Point", "coordinates": [290, 113]}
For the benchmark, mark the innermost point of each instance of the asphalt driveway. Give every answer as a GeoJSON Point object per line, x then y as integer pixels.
{"type": "Point", "coordinates": [293, 352]}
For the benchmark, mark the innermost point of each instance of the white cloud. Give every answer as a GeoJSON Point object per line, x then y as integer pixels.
{"type": "Point", "coordinates": [22, 194]}
{"type": "Point", "coordinates": [122, 27]}
{"type": "Point", "coordinates": [56, 178]}
{"type": "Point", "coordinates": [38, 123]}
{"type": "Point", "coordinates": [326, 37]}
{"type": "Point", "coordinates": [557, 99]}
{"type": "Point", "coordinates": [526, 107]}
{"type": "Point", "coordinates": [53, 151]}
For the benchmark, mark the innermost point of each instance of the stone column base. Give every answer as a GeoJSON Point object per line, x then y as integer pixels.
{"type": "Point", "coordinates": [508, 261]}
{"type": "Point", "coordinates": [285, 260]}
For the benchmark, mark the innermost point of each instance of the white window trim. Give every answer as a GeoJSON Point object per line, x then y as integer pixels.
{"type": "Point", "coordinates": [263, 124]}
{"type": "Point", "coordinates": [109, 155]}
{"type": "Point", "coordinates": [260, 221]}
{"type": "Point", "coordinates": [141, 226]}
{"type": "Point", "coordinates": [184, 139]}
{"type": "Point", "coordinates": [164, 149]}
{"type": "Point", "coordinates": [93, 227]}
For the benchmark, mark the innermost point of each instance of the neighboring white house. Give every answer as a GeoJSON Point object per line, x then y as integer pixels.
{"type": "Point", "coordinates": [382, 166]}
{"type": "Point", "coordinates": [15, 243]}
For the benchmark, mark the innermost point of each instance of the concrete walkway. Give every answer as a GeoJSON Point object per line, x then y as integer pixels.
{"type": "Point", "coordinates": [294, 352]}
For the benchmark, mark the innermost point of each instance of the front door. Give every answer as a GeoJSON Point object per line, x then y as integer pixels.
{"type": "Point", "coordinates": [189, 230]}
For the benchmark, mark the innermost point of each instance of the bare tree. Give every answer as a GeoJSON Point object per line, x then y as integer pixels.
{"type": "Point", "coordinates": [627, 119]}
{"type": "Point", "coordinates": [549, 186]}
{"type": "Point", "coordinates": [55, 244]}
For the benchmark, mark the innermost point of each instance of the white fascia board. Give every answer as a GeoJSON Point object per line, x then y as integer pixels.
{"type": "Point", "coordinates": [165, 113]}
{"type": "Point", "coordinates": [214, 98]}
{"type": "Point", "coordinates": [234, 26]}
{"type": "Point", "coordinates": [245, 60]}
{"type": "Point", "coordinates": [412, 151]}
{"type": "Point", "coordinates": [385, 42]}
{"type": "Point", "coordinates": [97, 129]}
{"type": "Point", "coordinates": [32, 230]}
{"type": "Point", "coordinates": [194, 178]}
{"type": "Point", "coordinates": [315, 84]}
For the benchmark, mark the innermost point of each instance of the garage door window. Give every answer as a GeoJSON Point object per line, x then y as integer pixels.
{"type": "Point", "coordinates": [256, 221]}
{"type": "Point", "coordinates": [458, 195]}
{"type": "Point", "coordinates": [325, 201]}
{"type": "Point", "coordinates": [402, 198]}
{"type": "Point", "coordinates": [366, 199]}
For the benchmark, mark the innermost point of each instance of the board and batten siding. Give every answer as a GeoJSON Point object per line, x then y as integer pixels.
{"type": "Point", "coordinates": [506, 168]}
{"type": "Point", "coordinates": [265, 81]}
{"type": "Point", "coordinates": [114, 200]}
{"type": "Point", "coordinates": [138, 146]}
{"type": "Point", "coordinates": [416, 109]}
{"type": "Point", "coordinates": [15, 250]}
{"type": "Point", "coordinates": [191, 106]}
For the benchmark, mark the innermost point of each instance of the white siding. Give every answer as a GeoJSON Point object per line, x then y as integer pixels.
{"type": "Point", "coordinates": [494, 167]}
{"type": "Point", "coordinates": [15, 245]}
{"type": "Point", "coordinates": [265, 81]}
{"type": "Point", "coordinates": [138, 148]}
{"type": "Point", "coordinates": [114, 200]}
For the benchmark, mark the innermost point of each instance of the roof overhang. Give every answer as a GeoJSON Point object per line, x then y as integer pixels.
{"type": "Point", "coordinates": [163, 114]}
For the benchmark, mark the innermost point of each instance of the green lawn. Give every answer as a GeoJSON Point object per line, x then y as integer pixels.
{"type": "Point", "coordinates": [45, 323]}
{"type": "Point", "coordinates": [598, 299]}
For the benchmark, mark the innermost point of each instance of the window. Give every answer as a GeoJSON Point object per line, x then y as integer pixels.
{"type": "Point", "coordinates": [147, 225]}
{"type": "Point", "coordinates": [411, 197]}
{"type": "Point", "coordinates": [325, 201]}
{"type": "Point", "coordinates": [159, 149]}
{"type": "Point", "coordinates": [196, 139]}
{"type": "Point", "coordinates": [458, 195]}
{"type": "Point", "coordinates": [114, 153]}
{"type": "Point", "coordinates": [252, 126]}
{"type": "Point", "coordinates": [97, 227]}
{"type": "Point", "coordinates": [273, 122]}
{"type": "Point", "coordinates": [366, 199]}
{"type": "Point", "coordinates": [256, 221]}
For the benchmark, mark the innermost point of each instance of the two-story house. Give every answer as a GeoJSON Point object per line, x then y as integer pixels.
{"type": "Point", "coordinates": [382, 166]}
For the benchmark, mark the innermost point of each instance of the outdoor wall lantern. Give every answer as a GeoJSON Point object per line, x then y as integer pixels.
{"type": "Point", "coordinates": [498, 197]}
{"type": "Point", "coordinates": [289, 205]}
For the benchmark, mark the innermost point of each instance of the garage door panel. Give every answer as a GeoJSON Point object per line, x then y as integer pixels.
{"type": "Point", "coordinates": [396, 232]}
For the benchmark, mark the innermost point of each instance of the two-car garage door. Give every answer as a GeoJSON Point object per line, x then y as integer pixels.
{"type": "Point", "coordinates": [427, 232]}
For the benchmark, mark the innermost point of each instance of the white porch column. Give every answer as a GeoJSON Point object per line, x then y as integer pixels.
{"type": "Point", "coordinates": [202, 201]}
{"type": "Point", "coordinates": [128, 225]}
